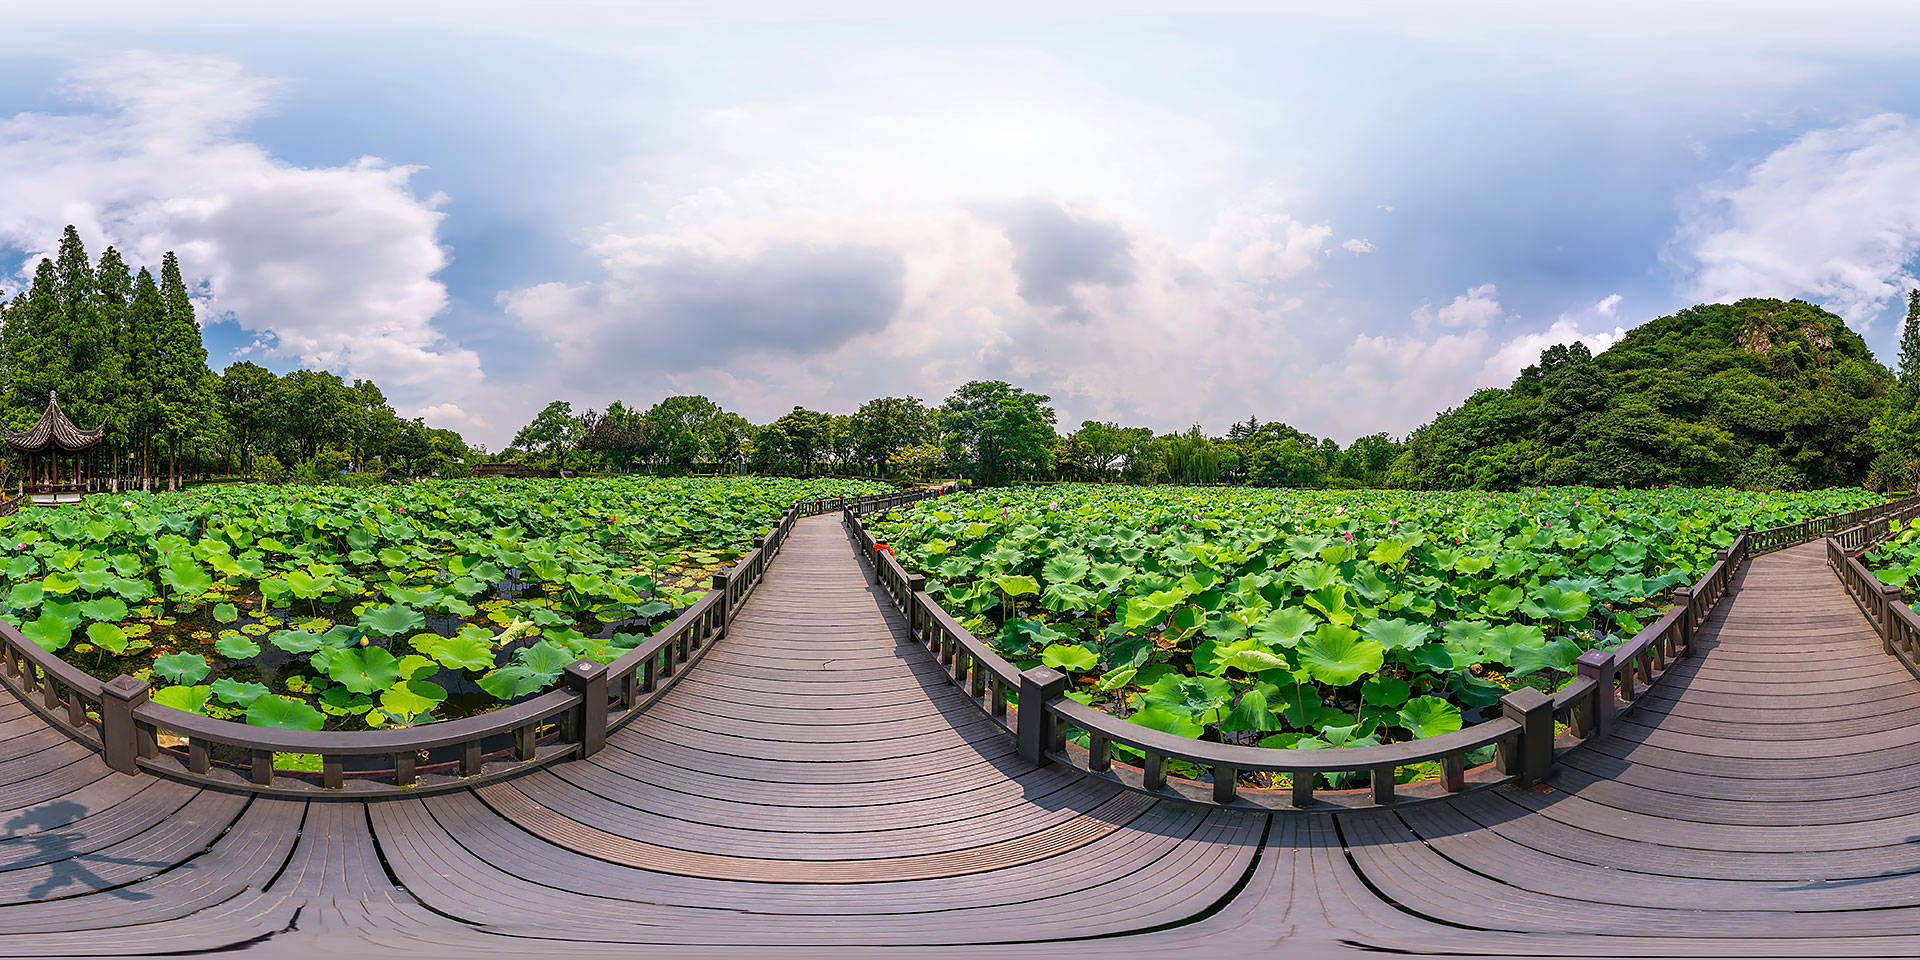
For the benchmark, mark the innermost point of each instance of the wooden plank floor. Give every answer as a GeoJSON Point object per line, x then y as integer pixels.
{"type": "Point", "coordinates": [815, 786]}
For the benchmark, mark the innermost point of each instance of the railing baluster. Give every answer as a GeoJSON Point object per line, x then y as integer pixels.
{"type": "Point", "coordinates": [1099, 752]}
{"type": "Point", "coordinates": [1155, 771]}
{"type": "Point", "coordinates": [1382, 784]}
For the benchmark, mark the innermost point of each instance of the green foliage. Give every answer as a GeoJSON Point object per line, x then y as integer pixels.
{"type": "Point", "coordinates": [1761, 393]}
{"type": "Point", "coordinates": [284, 713]}
{"type": "Point", "coordinates": [996, 431]}
{"type": "Point", "coordinates": [182, 667]}
{"type": "Point", "coordinates": [1330, 617]}
{"type": "Point", "coordinates": [338, 578]}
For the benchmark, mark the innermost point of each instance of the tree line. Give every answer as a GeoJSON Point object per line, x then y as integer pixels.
{"type": "Point", "coordinates": [989, 431]}
{"type": "Point", "coordinates": [1762, 393]}
{"type": "Point", "coordinates": [124, 349]}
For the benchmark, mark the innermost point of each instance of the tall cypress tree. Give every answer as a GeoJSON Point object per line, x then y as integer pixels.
{"type": "Point", "coordinates": [84, 334]}
{"type": "Point", "coordinates": [1910, 345]}
{"type": "Point", "coordinates": [146, 319]}
{"type": "Point", "coordinates": [185, 384]}
{"type": "Point", "coordinates": [113, 289]}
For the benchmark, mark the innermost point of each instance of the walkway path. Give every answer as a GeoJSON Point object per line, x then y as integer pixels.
{"type": "Point", "coordinates": [816, 783]}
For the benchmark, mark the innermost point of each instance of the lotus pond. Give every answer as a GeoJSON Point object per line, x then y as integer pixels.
{"type": "Point", "coordinates": [317, 607]}
{"type": "Point", "coordinates": [1896, 560]}
{"type": "Point", "coordinates": [1318, 619]}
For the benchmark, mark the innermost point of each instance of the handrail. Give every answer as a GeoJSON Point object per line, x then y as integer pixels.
{"type": "Point", "coordinates": [117, 719]}
{"type": "Point", "coordinates": [1774, 538]}
{"type": "Point", "coordinates": [1607, 683]}
{"type": "Point", "coordinates": [1883, 603]}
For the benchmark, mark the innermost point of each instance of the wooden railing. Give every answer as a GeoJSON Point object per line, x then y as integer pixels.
{"type": "Point", "coordinates": [1769, 540]}
{"type": "Point", "coordinates": [1526, 736]}
{"type": "Point", "coordinates": [1886, 609]}
{"type": "Point", "coordinates": [117, 718]}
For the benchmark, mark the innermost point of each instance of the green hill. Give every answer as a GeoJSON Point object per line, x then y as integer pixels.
{"type": "Point", "coordinates": [1754, 393]}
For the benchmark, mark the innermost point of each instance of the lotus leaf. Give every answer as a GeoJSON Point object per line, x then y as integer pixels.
{"type": "Point", "coordinates": [514, 681]}
{"type": "Point", "coordinates": [1250, 713]}
{"type": "Point", "coordinates": [284, 713]}
{"type": "Point", "coordinates": [545, 657]}
{"type": "Point", "coordinates": [1337, 655]}
{"type": "Point", "coordinates": [1016, 586]}
{"type": "Point", "coordinates": [1395, 634]}
{"type": "Point", "coordinates": [237, 693]}
{"type": "Point", "coordinates": [1429, 716]}
{"type": "Point", "coordinates": [1556, 654]}
{"type": "Point", "coordinates": [414, 666]}
{"type": "Point", "coordinates": [236, 646]}
{"type": "Point", "coordinates": [361, 669]}
{"type": "Point", "coordinates": [107, 636]}
{"type": "Point", "coordinates": [1285, 626]}
{"type": "Point", "coordinates": [25, 596]}
{"type": "Point", "coordinates": [1384, 691]}
{"type": "Point", "coordinates": [50, 631]}
{"type": "Point", "coordinates": [1168, 720]}
{"type": "Point", "coordinates": [182, 667]}
{"type": "Point", "coordinates": [192, 699]}
{"type": "Point", "coordinates": [1074, 658]}
{"type": "Point", "coordinates": [391, 620]}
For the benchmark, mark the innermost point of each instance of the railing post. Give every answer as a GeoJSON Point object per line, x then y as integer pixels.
{"type": "Point", "coordinates": [119, 735]}
{"type": "Point", "coordinates": [1597, 665]}
{"type": "Point", "coordinates": [1532, 755]}
{"type": "Point", "coordinates": [588, 678]}
{"type": "Point", "coordinates": [1683, 596]}
{"type": "Point", "coordinates": [1889, 598]}
{"type": "Point", "coordinates": [720, 606]}
{"type": "Point", "coordinates": [916, 588]}
{"type": "Point", "coordinates": [1037, 686]}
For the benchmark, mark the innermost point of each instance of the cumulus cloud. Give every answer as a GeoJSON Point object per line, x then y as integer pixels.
{"type": "Point", "coordinates": [333, 266]}
{"type": "Point", "coordinates": [1478, 307]}
{"type": "Point", "coordinates": [1832, 216]}
{"type": "Point", "coordinates": [1358, 245]}
{"type": "Point", "coordinates": [1258, 240]}
{"type": "Point", "coordinates": [1426, 373]}
{"type": "Point", "coordinates": [1057, 251]}
{"type": "Point", "coordinates": [697, 309]}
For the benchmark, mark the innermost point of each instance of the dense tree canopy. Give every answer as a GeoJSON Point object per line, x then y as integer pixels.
{"type": "Point", "coordinates": [1759, 392]}
{"type": "Point", "coordinates": [125, 349]}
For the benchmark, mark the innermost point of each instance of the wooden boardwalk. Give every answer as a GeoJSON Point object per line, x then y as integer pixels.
{"type": "Point", "coordinates": [816, 785]}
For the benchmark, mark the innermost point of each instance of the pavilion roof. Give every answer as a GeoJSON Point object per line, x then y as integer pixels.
{"type": "Point", "coordinates": [54, 430]}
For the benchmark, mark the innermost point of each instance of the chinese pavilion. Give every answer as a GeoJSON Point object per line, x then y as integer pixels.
{"type": "Point", "coordinates": [44, 444]}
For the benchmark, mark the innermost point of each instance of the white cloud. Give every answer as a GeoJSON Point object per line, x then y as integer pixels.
{"type": "Point", "coordinates": [1833, 217]}
{"type": "Point", "coordinates": [1478, 307]}
{"type": "Point", "coordinates": [335, 266]}
{"type": "Point", "coordinates": [1358, 245]}
{"type": "Point", "coordinates": [1421, 375]}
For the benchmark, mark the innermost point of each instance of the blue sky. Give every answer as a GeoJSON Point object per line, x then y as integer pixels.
{"type": "Point", "coordinates": [1345, 220]}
